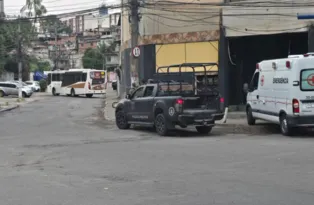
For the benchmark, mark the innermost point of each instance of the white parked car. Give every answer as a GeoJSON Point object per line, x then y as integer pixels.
{"type": "Point", "coordinates": [34, 84]}
{"type": "Point", "coordinates": [24, 85]}
{"type": "Point", "coordinates": [282, 92]}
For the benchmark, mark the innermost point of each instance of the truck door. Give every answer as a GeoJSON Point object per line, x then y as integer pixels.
{"type": "Point", "coordinates": [146, 103]}
{"type": "Point", "coordinates": [134, 113]}
{"type": "Point", "coordinates": [253, 95]}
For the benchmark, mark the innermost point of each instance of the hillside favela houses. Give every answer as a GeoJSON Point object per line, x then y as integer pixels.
{"type": "Point", "coordinates": [84, 30]}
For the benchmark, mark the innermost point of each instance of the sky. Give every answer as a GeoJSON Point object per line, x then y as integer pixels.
{"type": "Point", "coordinates": [12, 7]}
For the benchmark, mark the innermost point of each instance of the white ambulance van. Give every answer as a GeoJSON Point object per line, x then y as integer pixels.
{"type": "Point", "coordinates": [282, 92]}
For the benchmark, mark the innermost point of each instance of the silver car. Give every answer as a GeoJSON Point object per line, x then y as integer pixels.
{"type": "Point", "coordinates": [11, 88]}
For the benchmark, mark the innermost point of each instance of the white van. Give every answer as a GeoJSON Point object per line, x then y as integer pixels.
{"type": "Point", "coordinates": [282, 92]}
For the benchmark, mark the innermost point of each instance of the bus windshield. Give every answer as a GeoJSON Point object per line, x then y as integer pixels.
{"type": "Point", "coordinates": [98, 77]}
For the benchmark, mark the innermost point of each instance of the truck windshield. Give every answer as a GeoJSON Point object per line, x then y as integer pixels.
{"type": "Point", "coordinates": [307, 80]}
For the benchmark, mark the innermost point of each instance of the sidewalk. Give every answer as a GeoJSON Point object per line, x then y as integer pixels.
{"type": "Point", "coordinates": [10, 103]}
{"type": "Point", "coordinates": [109, 111]}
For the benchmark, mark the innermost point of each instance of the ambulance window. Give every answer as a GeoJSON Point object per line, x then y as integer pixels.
{"type": "Point", "coordinates": [307, 80]}
{"type": "Point", "coordinates": [254, 83]}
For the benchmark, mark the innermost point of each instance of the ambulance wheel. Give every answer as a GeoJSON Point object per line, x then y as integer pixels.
{"type": "Point", "coordinates": [249, 116]}
{"type": "Point", "coordinates": [285, 129]}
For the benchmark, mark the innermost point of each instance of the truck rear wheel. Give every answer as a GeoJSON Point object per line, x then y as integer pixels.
{"type": "Point", "coordinates": [203, 129]}
{"type": "Point", "coordinates": [161, 125]}
{"type": "Point", "coordinates": [121, 120]}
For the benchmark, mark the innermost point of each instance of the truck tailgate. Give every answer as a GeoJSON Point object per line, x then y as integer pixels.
{"type": "Point", "coordinates": [200, 113]}
{"type": "Point", "coordinates": [197, 103]}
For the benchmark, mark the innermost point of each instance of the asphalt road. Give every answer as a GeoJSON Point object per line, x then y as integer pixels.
{"type": "Point", "coordinates": [56, 151]}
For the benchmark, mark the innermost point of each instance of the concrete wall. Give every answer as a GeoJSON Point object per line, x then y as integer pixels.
{"type": "Point", "coordinates": [6, 76]}
{"type": "Point", "coordinates": [176, 18]}
{"type": "Point", "coordinates": [196, 52]}
{"type": "Point", "coordinates": [265, 18]}
{"type": "Point", "coordinates": [125, 25]}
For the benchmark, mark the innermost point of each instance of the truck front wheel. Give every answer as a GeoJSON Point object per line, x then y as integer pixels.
{"type": "Point", "coordinates": [121, 120]}
{"type": "Point", "coordinates": [161, 125]}
{"type": "Point", "coordinates": [203, 129]}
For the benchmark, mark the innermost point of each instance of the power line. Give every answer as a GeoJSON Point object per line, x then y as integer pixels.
{"type": "Point", "coordinates": [68, 9]}
{"type": "Point", "coordinates": [67, 13]}
{"type": "Point", "coordinates": [59, 6]}
{"type": "Point", "coordinates": [243, 3]}
{"type": "Point", "coordinates": [44, 3]}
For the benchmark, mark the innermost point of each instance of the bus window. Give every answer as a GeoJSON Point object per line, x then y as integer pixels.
{"type": "Point", "coordinates": [84, 77]}
{"type": "Point", "coordinates": [49, 79]}
{"type": "Point", "coordinates": [54, 77]}
{"type": "Point", "coordinates": [98, 77]}
{"type": "Point", "coordinates": [77, 78]}
{"type": "Point", "coordinates": [61, 77]}
{"type": "Point", "coordinates": [71, 78]}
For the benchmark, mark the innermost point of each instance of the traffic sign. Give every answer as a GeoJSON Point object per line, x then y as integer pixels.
{"type": "Point", "coordinates": [136, 51]}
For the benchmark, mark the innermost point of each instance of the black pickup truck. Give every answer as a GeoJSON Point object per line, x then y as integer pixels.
{"type": "Point", "coordinates": [165, 105]}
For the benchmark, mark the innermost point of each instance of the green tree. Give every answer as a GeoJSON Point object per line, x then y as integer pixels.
{"type": "Point", "coordinates": [38, 65]}
{"type": "Point", "coordinates": [35, 8]}
{"type": "Point", "coordinates": [92, 59]}
{"type": "Point", "coordinates": [9, 36]}
{"type": "Point", "coordinates": [96, 58]}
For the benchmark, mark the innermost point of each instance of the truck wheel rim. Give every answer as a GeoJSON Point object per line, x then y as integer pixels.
{"type": "Point", "coordinates": [160, 124]}
{"type": "Point", "coordinates": [121, 119]}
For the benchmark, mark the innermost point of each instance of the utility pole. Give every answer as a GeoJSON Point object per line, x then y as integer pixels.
{"type": "Point", "coordinates": [134, 18]}
{"type": "Point", "coordinates": [2, 14]}
{"type": "Point", "coordinates": [20, 58]}
{"type": "Point", "coordinates": [56, 42]}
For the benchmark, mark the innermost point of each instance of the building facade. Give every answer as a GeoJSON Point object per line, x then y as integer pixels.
{"type": "Point", "coordinates": [173, 33]}
{"type": "Point", "coordinates": [267, 30]}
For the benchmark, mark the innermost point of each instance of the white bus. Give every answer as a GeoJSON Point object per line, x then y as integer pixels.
{"type": "Point", "coordinates": [75, 82]}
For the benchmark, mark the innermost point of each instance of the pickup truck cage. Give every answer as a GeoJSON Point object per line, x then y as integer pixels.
{"type": "Point", "coordinates": [206, 90]}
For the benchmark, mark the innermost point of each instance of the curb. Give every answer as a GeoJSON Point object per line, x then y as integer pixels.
{"type": "Point", "coordinates": [17, 106]}
{"type": "Point", "coordinates": [245, 129]}
{"type": "Point", "coordinates": [105, 112]}
{"type": "Point", "coordinates": [9, 108]}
